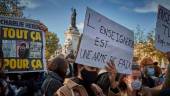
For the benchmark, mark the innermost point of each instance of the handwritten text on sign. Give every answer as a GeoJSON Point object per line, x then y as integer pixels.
{"type": "Point", "coordinates": [104, 40]}
{"type": "Point", "coordinates": [162, 35]}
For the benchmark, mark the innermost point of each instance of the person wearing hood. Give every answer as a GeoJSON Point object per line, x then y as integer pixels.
{"type": "Point", "coordinates": [55, 76]}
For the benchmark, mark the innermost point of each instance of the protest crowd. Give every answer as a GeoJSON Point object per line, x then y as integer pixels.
{"type": "Point", "coordinates": [66, 76]}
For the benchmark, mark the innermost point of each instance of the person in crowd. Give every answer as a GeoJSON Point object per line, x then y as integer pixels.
{"type": "Point", "coordinates": [167, 80]}
{"type": "Point", "coordinates": [129, 85]}
{"type": "Point", "coordinates": [70, 58]}
{"type": "Point", "coordinates": [5, 89]}
{"type": "Point", "coordinates": [84, 83]}
{"type": "Point", "coordinates": [109, 86]}
{"type": "Point", "coordinates": [157, 69]}
{"type": "Point", "coordinates": [103, 81]}
{"type": "Point", "coordinates": [123, 87]}
{"type": "Point", "coordinates": [55, 76]}
{"type": "Point", "coordinates": [148, 76]}
{"type": "Point", "coordinates": [163, 74]}
{"type": "Point", "coordinates": [134, 83]}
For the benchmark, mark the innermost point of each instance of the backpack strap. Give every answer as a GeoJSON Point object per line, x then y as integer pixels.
{"type": "Point", "coordinates": [65, 90]}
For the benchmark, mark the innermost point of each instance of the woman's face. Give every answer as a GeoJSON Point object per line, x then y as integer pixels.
{"type": "Point", "coordinates": [136, 74]}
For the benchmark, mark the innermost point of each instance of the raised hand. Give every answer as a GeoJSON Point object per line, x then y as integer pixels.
{"type": "Point", "coordinates": [111, 68]}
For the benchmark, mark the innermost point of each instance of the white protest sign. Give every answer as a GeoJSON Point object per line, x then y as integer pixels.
{"type": "Point", "coordinates": [162, 35]}
{"type": "Point", "coordinates": [104, 40]}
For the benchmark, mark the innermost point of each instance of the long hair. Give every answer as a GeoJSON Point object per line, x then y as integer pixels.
{"type": "Point", "coordinates": [122, 84]}
{"type": "Point", "coordinates": [58, 65]}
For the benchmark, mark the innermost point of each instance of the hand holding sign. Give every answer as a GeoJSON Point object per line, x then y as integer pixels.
{"type": "Point", "coordinates": [111, 68]}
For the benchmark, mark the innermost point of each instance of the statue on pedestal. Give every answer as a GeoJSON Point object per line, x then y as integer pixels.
{"type": "Point", "coordinates": [73, 18]}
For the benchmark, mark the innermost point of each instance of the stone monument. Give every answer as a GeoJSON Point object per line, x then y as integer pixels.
{"type": "Point", "coordinates": [72, 36]}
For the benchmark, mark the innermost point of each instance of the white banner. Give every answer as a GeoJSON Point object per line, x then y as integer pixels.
{"type": "Point", "coordinates": [104, 40]}
{"type": "Point", "coordinates": [162, 35]}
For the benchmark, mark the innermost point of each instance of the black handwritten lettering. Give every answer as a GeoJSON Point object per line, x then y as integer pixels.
{"type": "Point", "coordinates": [160, 40]}
{"type": "Point", "coordinates": [124, 64]}
{"type": "Point", "coordinates": [92, 55]}
{"type": "Point", "coordinates": [166, 30]}
{"type": "Point", "coordinates": [85, 53]}
{"type": "Point", "coordinates": [88, 22]}
{"type": "Point", "coordinates": [100, 57]}
{"type": "Point", "coordinates": [116, 37]}
{"type": "Point", "coordinates": [100, 42]}
{"type": "Point", "coordinates": [164, 15]}
{"type": "Point", "coordinates": [168, 43]}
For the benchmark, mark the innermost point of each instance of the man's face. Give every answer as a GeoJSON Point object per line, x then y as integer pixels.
{"type": "Point", "coordinates": [22, 47]}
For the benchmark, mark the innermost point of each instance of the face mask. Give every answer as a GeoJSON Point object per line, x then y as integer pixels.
{"type": "Point", "coordinates": [88, 77]}
{"type": "Point", "coordinates": [136, 85]}
{"type": "Point", "coordinates": [150, 71]}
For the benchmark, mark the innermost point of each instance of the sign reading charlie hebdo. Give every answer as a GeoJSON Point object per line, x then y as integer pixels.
{"type": "Point", "coordinates": [162, 35]}
{"type": "Point", "coordinates": [22, 45]}
{"type": "Point", "coordinates": [104, 40]}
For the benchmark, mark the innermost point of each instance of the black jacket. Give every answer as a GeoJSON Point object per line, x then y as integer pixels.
{"type": "Point", "coordinates": [51, 84]}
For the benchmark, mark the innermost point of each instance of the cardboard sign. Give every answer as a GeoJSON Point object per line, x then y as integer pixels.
{"type": "Point", "coordinates": [162, 36]}
{"type": "Point", "coordinates": [104, 40]}
{"type": "Point", "coordinates": [23, 45]}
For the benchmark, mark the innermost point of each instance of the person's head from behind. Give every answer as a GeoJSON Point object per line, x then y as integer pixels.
{"type": "Point", "coordinates": [59, 66]}
{"type": "Point", "coordinates": [87, 74]}
{"type": "Point", "coordinates": [134, 80]}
